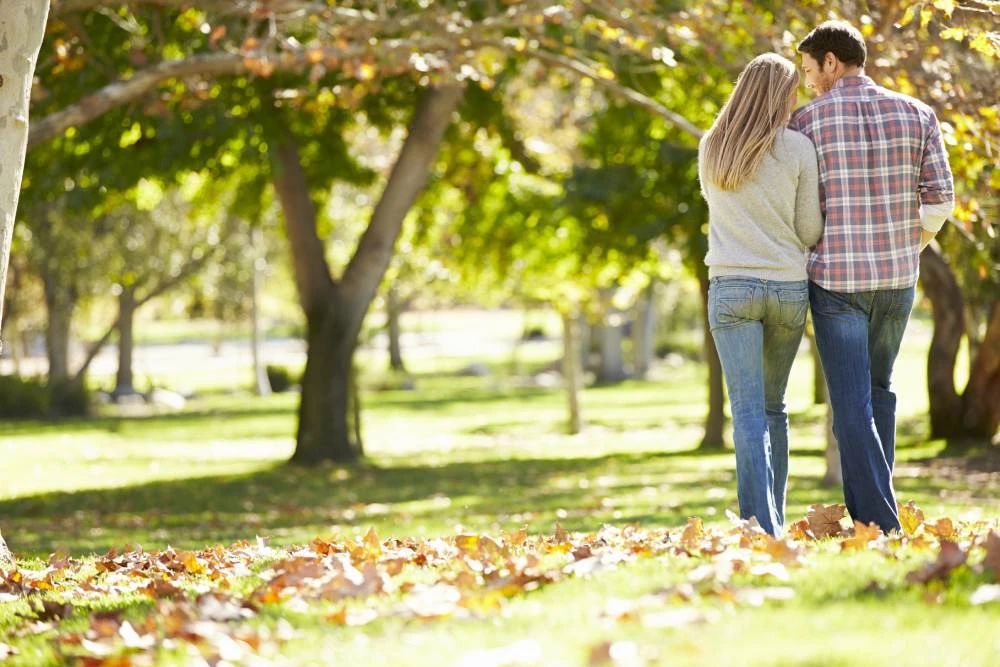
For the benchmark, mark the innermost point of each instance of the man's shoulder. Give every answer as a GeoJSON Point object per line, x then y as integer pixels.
{"type": "Point", "coordinates": [902, 99]}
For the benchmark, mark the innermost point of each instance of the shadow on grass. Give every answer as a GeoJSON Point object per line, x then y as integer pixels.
{"type": "Point", "coordinates": [293, 504]}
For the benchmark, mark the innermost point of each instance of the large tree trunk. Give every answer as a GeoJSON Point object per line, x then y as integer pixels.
{"type": "Point", "coordinates": [22, 25]}
{"type": "Point", "coordinates": [610, 335]}
{"type": "Point", "coordinates": [982, 393]}
{"type": "Point", "coordinates": [571, 368]}
{"type": "Point", "coordinates": [643, 332]}
{"type": "Point", "coordinates": [393, 309]}
{"type": "Point", "coordinates": [975, 413]}
{"type": "Point", "coordinates": [947, 305]}
{"type": "Point", "coordinates": [262, 385]}
{"type": "Point", "coordinates": [715, 421]}
{"type": "Point", "coordinates": [334, 312]}
{"type": "Point", "coordinates": [60, 301]}
{"type": "Point", "coordinates": [124, 384]}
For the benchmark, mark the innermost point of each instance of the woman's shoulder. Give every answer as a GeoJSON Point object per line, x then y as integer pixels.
{"type": "Point", "coordinates": [795, 141]}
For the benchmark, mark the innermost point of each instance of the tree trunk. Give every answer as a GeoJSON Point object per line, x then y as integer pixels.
{"type": "Point", "coordinates": [820, 396]}
{"type": "Point", "coordinates": [643, 332]}
{"type": "Point", "coordinates": [393, 309]}
{"type": "Point", "coordinates": [335, 312]}
{"type": "Point", "coordinates": [585, 330]}
{"type": "Point", "coordinates": [982, 393]}
{"type": "Point", "coordinates": [262, 385]}
{"type": "Point", "coordinates": [571, 370]}
{"type": "Point", "coordinates": [947, 305]}
{"type": "Point", "coordinates": [60, 301]}
{"type": "Point", "coordinates": [834, 474]}
{"type": "Point", "coordinates": [609, 332]}
{"type": "Point", "coordinates": [22, 25]}
{"type": "Point", "coordinates": [715, 422]}
{"type": "Point", "coordinates": [124, 384]}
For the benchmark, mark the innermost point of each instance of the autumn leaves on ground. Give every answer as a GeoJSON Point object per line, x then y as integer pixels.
{"type": "Point", "coordinates": [228, 605]}
{"type": "Point", "coordinates": [476, 534]}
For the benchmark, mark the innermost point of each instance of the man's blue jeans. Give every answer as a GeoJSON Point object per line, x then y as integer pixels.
{"type": "Point", "coordinates": [858, 337]}
{"type": "Point", "coordinates": [757, 326]}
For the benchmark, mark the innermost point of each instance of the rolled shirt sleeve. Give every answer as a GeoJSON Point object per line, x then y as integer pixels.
{"type": "Point", "coordinates": [936, 183]}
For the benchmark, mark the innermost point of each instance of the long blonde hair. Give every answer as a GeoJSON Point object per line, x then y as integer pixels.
{"type": "Point", "coordinates": [745, 129]}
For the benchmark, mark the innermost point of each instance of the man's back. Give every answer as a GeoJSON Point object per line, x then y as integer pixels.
{"type": "Point", "coordinates": [880, 157]}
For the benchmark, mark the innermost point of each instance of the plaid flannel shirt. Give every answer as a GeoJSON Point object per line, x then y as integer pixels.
{"type": "Point", "coordinates": [880, 157]}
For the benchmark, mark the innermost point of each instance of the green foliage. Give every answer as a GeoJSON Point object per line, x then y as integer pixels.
{"type": "Point", "coordinates": [280, 378]}
{"type": "Point", "coordinates": [23, 398]}
{"type": "Point", "coordinates": [34, 398]}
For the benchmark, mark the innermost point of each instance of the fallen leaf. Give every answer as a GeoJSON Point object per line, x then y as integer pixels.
{"type": "Point", "coordinates": [950, 557]}
{"type": "Point", "coordinates": [910, 517]}
{"type": "Point", "coordinates": [943, 528]}
{"type": "Point", "coordinates": [863, 536]}
{"type": "Point", "coordinates": [824, 520]}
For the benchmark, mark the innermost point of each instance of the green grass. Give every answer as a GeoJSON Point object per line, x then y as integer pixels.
{"type": "Point", "coordinates": [485, 455]}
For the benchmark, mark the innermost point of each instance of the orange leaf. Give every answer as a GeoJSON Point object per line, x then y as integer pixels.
{"type": "Point", "coordinates": [943, 528]}
{"type": "Point", "coordinates": [862, 536]}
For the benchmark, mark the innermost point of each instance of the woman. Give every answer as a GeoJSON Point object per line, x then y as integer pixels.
{"type": "Point", "coordinates": [761, 184]}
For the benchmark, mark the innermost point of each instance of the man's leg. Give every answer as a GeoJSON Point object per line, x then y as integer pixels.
{"type": "Point", "coordinates": [842, 339]}
{"type": "Point", "coordinates": [890, 313]}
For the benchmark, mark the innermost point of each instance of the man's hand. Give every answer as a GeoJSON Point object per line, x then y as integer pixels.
{"type": "Point", "coordinates": [925, 238]}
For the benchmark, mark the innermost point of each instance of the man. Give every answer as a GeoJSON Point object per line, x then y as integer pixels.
{"type": "Point", "coordinates": [885, 190]}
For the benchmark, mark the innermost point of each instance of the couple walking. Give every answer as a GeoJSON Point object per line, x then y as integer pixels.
{"type": "Point", "coordinates": [827, 207]}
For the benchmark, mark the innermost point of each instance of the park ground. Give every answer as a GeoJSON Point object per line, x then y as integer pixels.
{"type": "Point", "coordinates": [476, 533]}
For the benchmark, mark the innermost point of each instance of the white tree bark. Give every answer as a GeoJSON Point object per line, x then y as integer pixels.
{"type": "Point", "coordinates": [22, 25]}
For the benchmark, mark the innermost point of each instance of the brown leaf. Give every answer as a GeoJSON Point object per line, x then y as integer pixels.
{"type": "Point", "coordinates": [218, 32]}
{"type": "Point", "coordinates": [52, 611]}
{"type": "Point", "coordinates": [951, 557]}
{"type": "Point", "coordinates": [910, 517]}
{"type": "Point", "coordinates": [824, 520]}
{"type": "Point", "coordinates": [161, 588]}
{"type": "Point", "coordinates": [863, 535]}
{"type": "Point", "coordinates": [518, 537]}
{"type": "Point", "coordinates": [992, 560]}
{"type": "Point", "coordinates": [561, 535]}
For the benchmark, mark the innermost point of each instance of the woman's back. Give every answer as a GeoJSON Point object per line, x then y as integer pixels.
{"type": "Point", "coordinates": [763, 227]}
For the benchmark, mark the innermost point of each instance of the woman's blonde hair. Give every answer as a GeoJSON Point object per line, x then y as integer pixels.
{"type": "Point", "coordinates": [745, 129]}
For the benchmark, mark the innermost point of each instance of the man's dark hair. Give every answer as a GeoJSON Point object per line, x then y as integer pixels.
{"type": "Point", "coordinates": [839, 38]}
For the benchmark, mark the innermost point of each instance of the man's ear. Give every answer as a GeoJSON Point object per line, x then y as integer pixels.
{"type": "Point", "coordinates": [831, 60]}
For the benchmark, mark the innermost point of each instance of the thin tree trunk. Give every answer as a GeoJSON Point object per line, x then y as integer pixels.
{"type": "Point", "coordinates": [585, 330]}
{"type": "Point", "coordinates": [22, 26]}
{"type": "Point", "coordinates": [262, 385]}
{"type": "Point", "coordinates": [715, 421]}
{"type": "Point", "coordinates": [820, 396]}
{"type": "Point", "coordinates": [335, 312]}
{"type": "Point", "coordinates": [60, 301]}
{"type": "Point", "coordinates": [124, 384]}
{"type": "Point", "coordinates": [394, 309]}
{"type": "Point", "coordinates": [609, 332]}
{"type": "Point", "coordinates": [572, 372]}
{"type": "Point", "coordinates": [644, 331]}
{"type": "Point", "coordinates": [834, 474]}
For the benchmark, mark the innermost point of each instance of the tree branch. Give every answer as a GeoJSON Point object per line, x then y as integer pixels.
{"type": "Point", "coordinates": [618, 89]}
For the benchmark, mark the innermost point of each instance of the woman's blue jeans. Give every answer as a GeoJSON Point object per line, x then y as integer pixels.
{"type": "Point", "coordinates": [757, 326]}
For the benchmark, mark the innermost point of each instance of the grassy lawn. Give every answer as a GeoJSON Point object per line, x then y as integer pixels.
{"type": "Point", "coordinates": [487, 456]}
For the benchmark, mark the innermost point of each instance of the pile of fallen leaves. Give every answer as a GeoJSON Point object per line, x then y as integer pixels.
{"type": "Point", "coordinates": [203, 603]}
